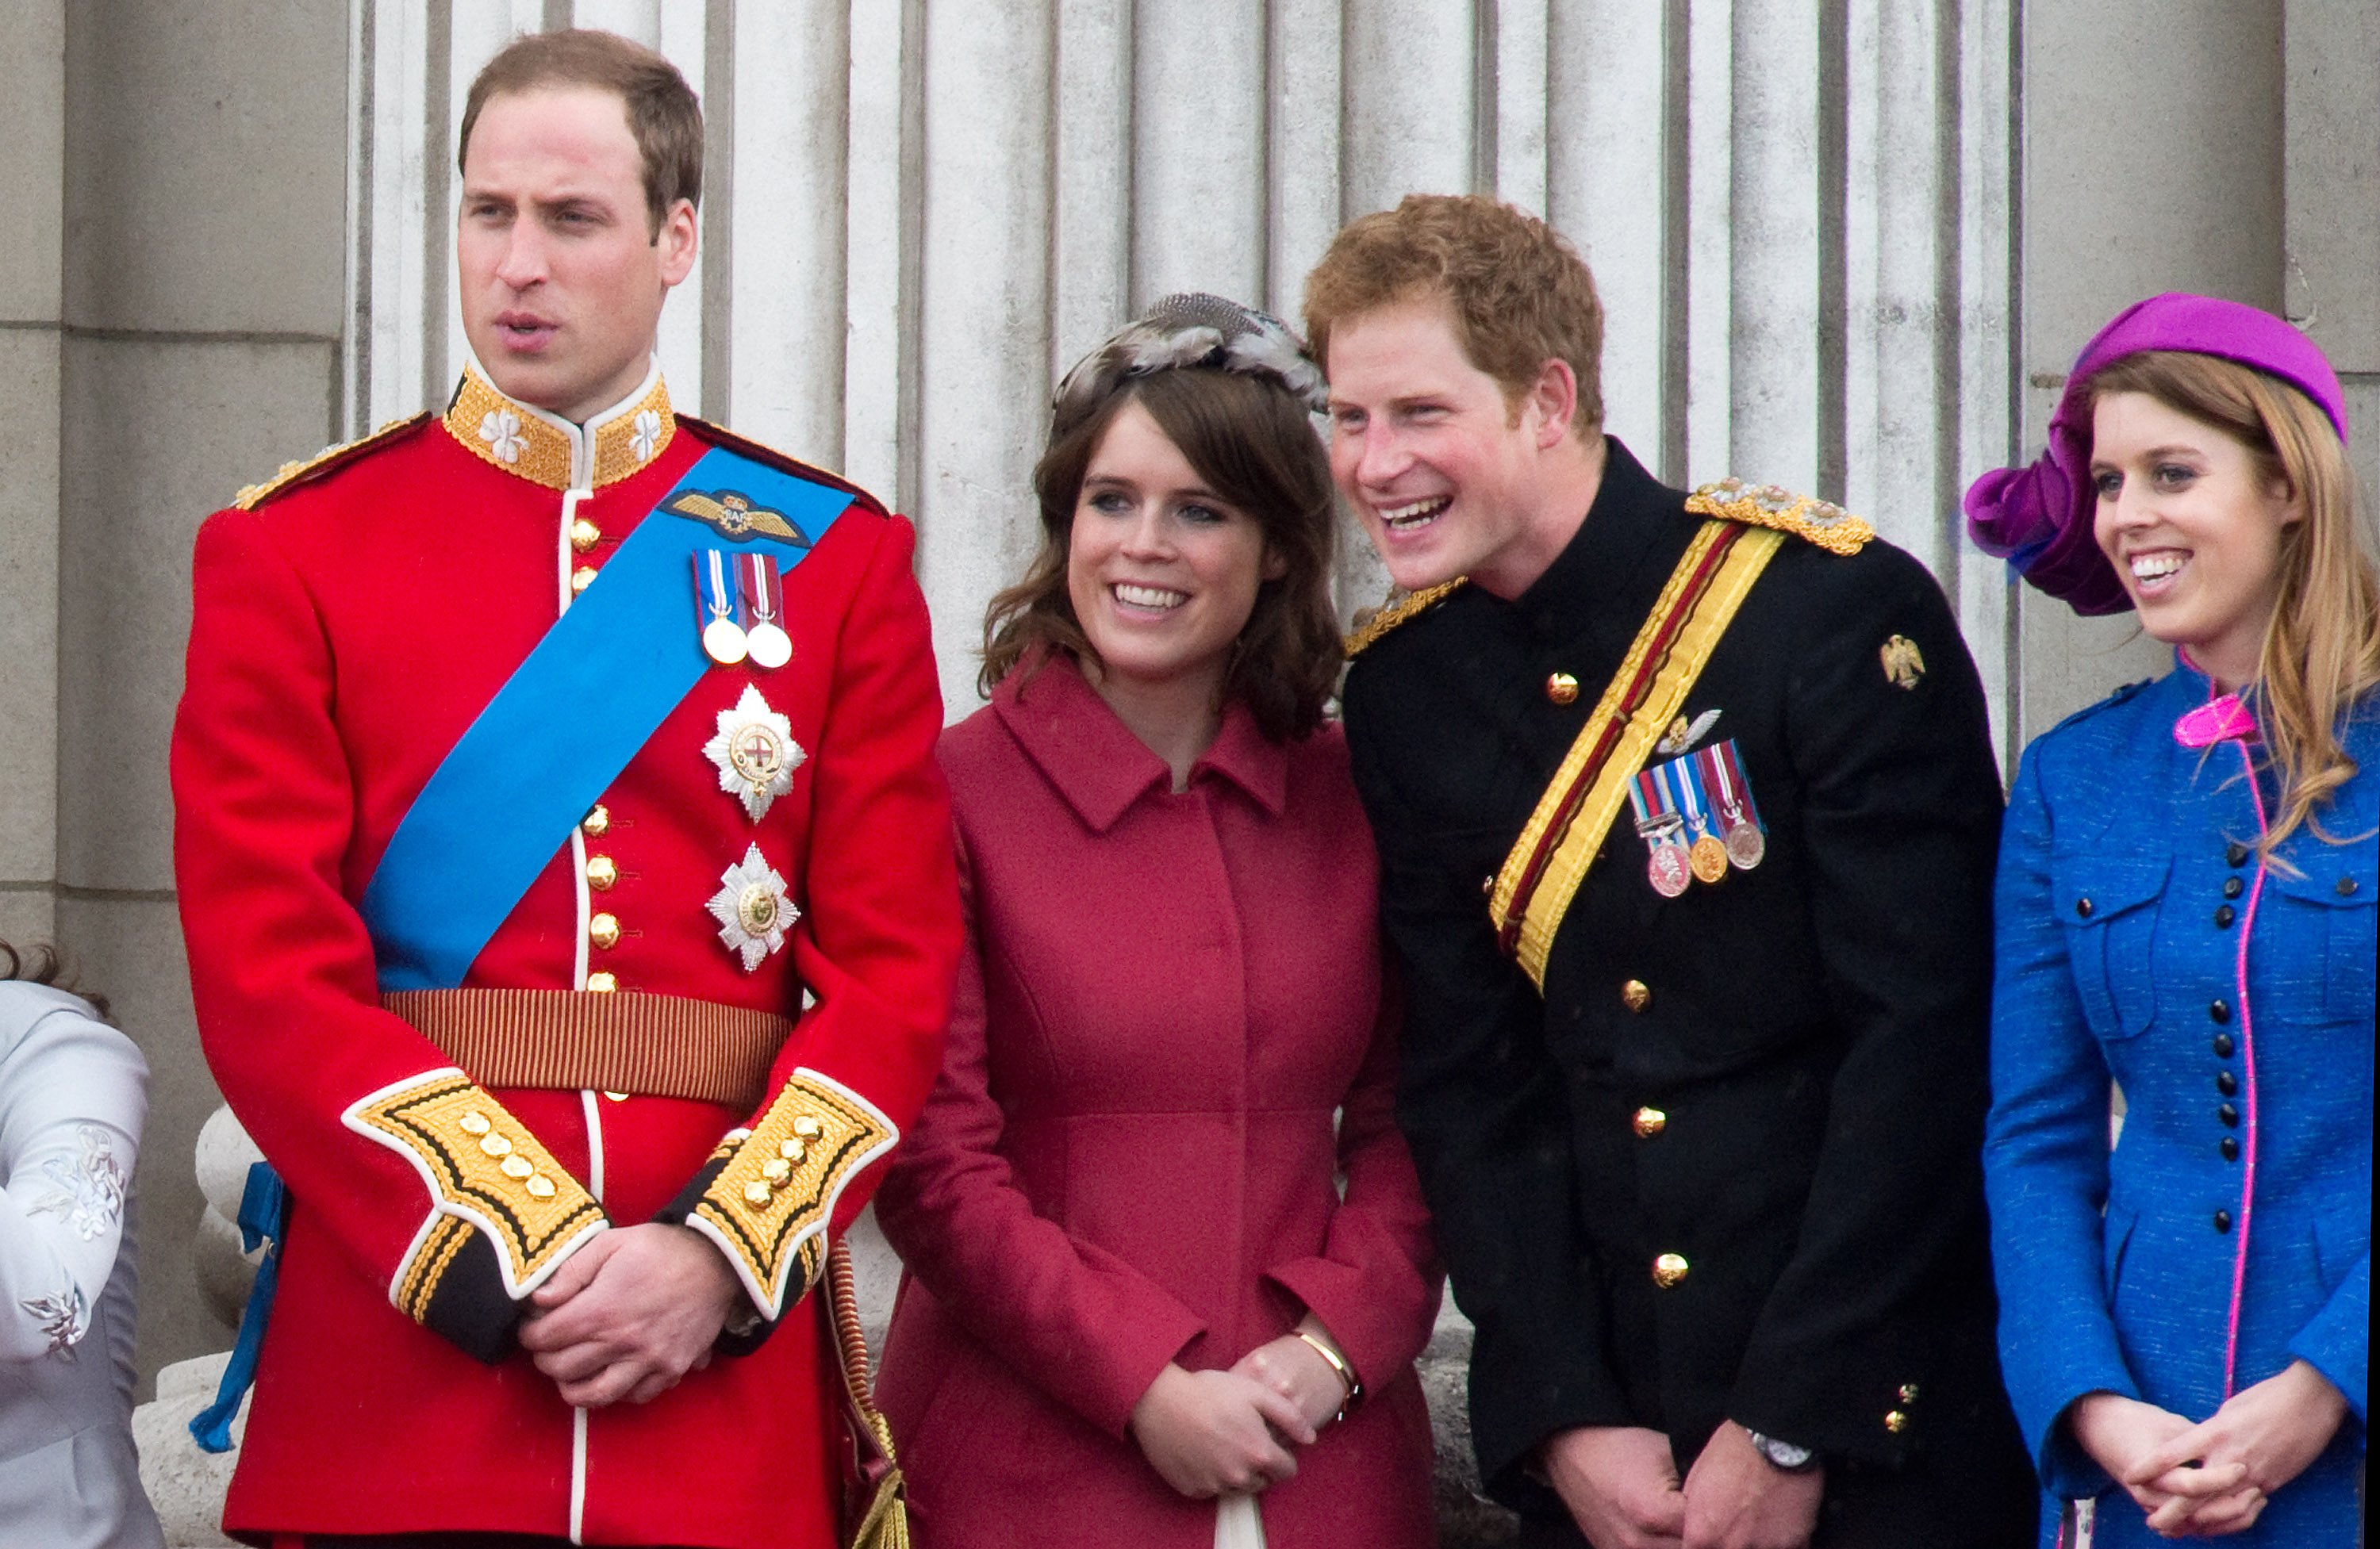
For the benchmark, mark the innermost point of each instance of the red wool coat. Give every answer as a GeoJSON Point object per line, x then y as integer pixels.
{"type": "Point", "coordinates": [1129, 1158]}
{"type": "Point", "coordinates": [346, 630]}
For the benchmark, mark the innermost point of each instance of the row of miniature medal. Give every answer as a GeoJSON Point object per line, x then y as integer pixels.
{"type": "Point", "coordinates": [740, 608]}
{"type": "Point", "coordinates": [1697, 816]}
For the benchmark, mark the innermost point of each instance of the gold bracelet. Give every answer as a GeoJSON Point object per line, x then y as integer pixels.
{"type": "Point", "coordinates": [1352, 1385]}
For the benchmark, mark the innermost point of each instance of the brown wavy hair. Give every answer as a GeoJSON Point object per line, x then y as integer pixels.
{"type": "Point", "coordinates": [1252, 444]}
{"type": "Point", "coordinates": [2321, 654]}
{"type": "Point", "coordinates": [1520, 295]}
{"type": "Point", "coordinates": [43, 965]}
{"type": "Point", "coordinates": [662, 113]}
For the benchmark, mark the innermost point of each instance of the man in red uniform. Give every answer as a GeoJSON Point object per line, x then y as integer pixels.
{"type": "Point", "coordinates": [567, 890]}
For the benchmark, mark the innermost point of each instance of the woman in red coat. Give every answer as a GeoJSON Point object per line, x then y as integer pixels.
{"type": "Point", "coordinates": [1135, 1287]}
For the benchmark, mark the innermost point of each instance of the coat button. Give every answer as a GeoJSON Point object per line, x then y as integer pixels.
{"type": "Point", "coordinates": [1487, 886]}
{"type": "Point", "coordinates": [2227, 1084]}
{"type": "Point", "coordinates": [2235, 854]}
{"type": "Point", "coordinates": [596, 822]}
{"type": "Point", "coordinates": [2230, 1115]}
{"type": "Point", "coordinates": [2223, 1220]}
{"type": "Point", "coordinates": [2220, 1011]}
{"type": "Point", "coordinates": [2232, 886]}
{"type": "Point", "coordinates": [540, 1186]}
{"type": "Point", "coordinates": [602, 872]}
{"type": "Point", "coordinates": [2231, 1149]}
{"type": "Point", "coordinates": [600, 982]}
{"type": "Point", "coordinates": [2224, 915]}
{"type": "Point", "coordinates": [1668, 1270]}
{"type": "Point", "coordinates": [581, 578]}
{"type": "Point", "coordinates": [585, 535]}
{"type": "Point", "coordinates": [1635, 995]}
{"type": "Point", "coordinates": [2083, 908]}
{"type": "Point", "coordinates": [1896, 1422]}
{"type": "Point", "coordinates": [1563, 689]}
{"type": "Point", "coordinates": [1908, 1393]}
{"type": "Point", "coordinates": [1648, 1122]}
{"type": "Point", "coordinates": [2347, 887]}
{"type": "Point", "coordinates": [2223, 1046]}
{"type": "Point", "coordinates": [604, 931]}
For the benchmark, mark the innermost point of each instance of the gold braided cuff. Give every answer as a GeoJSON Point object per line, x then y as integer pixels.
{"type": "Point", "coordinates": [483, 1169]}
{"type": "Point", "coordinates": [769, 1205]}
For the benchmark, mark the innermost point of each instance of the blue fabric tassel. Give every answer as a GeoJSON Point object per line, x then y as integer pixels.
{"type": "Point", "coordinates": [264, 1217]}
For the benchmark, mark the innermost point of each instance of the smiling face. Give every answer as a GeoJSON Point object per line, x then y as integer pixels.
{"type": "Point", "coordinates": [2192, 525]}
{"type": "Point", "coordinates": [562, 276]}
{"type": "Point", "coordinates": [1446, 476]}
{"type": "Point", "coordinates": [1162, 573]}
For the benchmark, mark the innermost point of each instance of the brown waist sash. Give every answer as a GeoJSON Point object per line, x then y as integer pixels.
{"type": "Point", "coordinates": [652, 1045]}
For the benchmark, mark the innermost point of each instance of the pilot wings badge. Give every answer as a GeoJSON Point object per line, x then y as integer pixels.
{"type": "Point", "coordinates": [735, 515]}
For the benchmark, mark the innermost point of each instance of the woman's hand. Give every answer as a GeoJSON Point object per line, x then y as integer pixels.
{"type": "Point", "coordinates": [1211, 1432]}
{"type": "Point", "coordinates": [2123, 1434]}
{"type": "Point", "coordinates": [1296, 1371]}
{"type": "Point", "coordinates": [2269, 1431]}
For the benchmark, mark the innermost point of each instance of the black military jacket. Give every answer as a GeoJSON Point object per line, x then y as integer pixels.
{"type": "Point", "coordinates": [1781, 1078]}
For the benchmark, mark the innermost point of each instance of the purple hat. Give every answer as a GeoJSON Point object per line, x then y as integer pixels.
{"type": "Point", "coordinates": [2038, 517]}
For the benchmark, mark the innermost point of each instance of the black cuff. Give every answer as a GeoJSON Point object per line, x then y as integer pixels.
{"type": "Point", "coordinates": [469, 1307]}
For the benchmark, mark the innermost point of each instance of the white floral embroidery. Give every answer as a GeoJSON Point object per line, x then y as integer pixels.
{"type": "Point", "coordinates": [89, 1193]}
{"type": "Point", "coordinates": [646, 433]}
{"type": "Point", "coordinates": [66, 1318]}
{"type": "Point", "coordinates": [501, 429]}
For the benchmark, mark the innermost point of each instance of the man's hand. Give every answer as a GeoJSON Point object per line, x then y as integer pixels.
{"type": "Point", "coordinates": [2270, 1430]}
{"type": "Point", "coordinates": [630, 1313]}
{"type": "Point", "coordinates": [2123, 1434]}
{"type": "Point", "coordinates": [1737, 1499]}
{"type": "Point", "coordinates": [1619, 1483]}
{"type": "Point", "coordinates": [1291, 1368]}
{"type": "Point", "coordinates": [1211, 1432]}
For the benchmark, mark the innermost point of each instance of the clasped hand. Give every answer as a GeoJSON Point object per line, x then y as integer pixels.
{"type": "Point", "coordinates": [1620, 1485]}
{"type": "Point", "coordinates": [2213, 1477]}
{"type": "Point", "coordinates": [1210, 1434]}
{"type": "Point", "coordinates": [628, 1315]}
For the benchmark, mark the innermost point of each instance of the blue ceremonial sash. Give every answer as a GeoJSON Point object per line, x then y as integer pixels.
{"type": "Point", "coordinates": [570, 717]}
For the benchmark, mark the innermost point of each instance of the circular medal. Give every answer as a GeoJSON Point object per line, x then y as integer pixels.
{"type": "Point", "coordinates": [771, 647]}
{"type": "Point", "coordinates": [1708, 859]}
{"type": "Point", "coordinates": [724, 641]}
{"type": "Point", "coordinates": [1746, 845]}
{"type": "Point", "coordinates": [1668, 870]}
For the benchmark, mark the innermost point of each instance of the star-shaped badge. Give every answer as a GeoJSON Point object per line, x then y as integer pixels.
{"type": "Point", "coordinates": [756, 753]}
{"type": "Point", "coordinates": [752, 909]}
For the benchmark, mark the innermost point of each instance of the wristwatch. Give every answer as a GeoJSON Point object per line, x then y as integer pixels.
{"type": "Point", "coordinates": [1784, 1457]}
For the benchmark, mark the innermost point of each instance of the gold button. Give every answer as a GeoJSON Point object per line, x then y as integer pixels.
{"type": "Point", "coordinates": [603, 930]}
{"type": "Point", "coordinates": [473, 1122]}
{"type": "Point", "coordinates": [807, 1128]}
{"type": "Point", "coordinates": [1669, 1269]}
{"type": "Point", "coordinates": [615, 1096]}
{"type": "Point", "coordinates": [1896, 1422]}
{"type": "Point", "coordinates": [776, 1169]}
{"type": "Point", "coordinates": [1635, 995]}
{"type": "Point", "coordinates": [1563, 689]}
{"type": "Point", "coordinates": [540, 1186]}
{"type": "Point", "coordinates": [597, 821]}
{"type": "Point", "coordinates": [1908, 1393]}
{"type": "Point", "coordinates": [756, 1193]}
{"type": "Point", "coordinates": [794, 1151]}
{"type": "Point", "coordinates": [495, 1145]}
{"type": "Point", "coordinates": [517, 1167]}
{"type": "Point", "coordinates": [602, 983]}
{"type": "Point", "coordinates": [581, 578]}
{"type": "Point", "coordinates": [1650, 1122]}
{"type": "Point", "coordinates": [585, 535]}
{"type": "Point", "coordinates": [602, 872]}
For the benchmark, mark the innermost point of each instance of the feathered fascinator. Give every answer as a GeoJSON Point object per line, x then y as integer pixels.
{"type": "Point", "coordinates": [1192, 330]}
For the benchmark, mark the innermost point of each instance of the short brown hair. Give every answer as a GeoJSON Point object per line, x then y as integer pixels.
{"type": "Point", "coordinates": [662, 113]}
{"type": "Point", "coordinates": [1253, 444]}
{"type": "Point", "coordinates": [1520, 295]}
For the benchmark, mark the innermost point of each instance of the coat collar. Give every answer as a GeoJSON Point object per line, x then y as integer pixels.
{"type": "Point", "coordinates": [1635, 520]}
{"type": "Point", "coordinates": [1095, 763]}
{"type": "Point", "coordinates": [527, 442]}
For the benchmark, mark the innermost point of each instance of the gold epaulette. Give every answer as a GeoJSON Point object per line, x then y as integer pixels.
{"type": "Point", "coordinates": [322, 462]}
{"type": "Point", "coordinates": [1766, 505]}
{"type": "Point", "coordinates": [1373, 622]}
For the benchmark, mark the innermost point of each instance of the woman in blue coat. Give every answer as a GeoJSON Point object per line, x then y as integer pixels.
{"type": "Point", "coordinates": [2185, 907]}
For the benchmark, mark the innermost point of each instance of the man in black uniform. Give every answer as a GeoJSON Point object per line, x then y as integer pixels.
{"type": "Point", "coordinates": [1687, 812]}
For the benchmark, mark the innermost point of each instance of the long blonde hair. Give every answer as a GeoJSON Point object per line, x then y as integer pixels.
{"type": "Point", "coordinates": [2321, 653]}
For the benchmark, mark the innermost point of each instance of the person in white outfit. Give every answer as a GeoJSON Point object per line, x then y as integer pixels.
{"type": "Point", "coordinates": [73, 1093]}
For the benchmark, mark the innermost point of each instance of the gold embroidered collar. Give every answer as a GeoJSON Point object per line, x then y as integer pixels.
{"type": "Point", "coordinates": [544, 449]}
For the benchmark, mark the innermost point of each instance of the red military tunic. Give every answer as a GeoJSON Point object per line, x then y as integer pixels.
{"type": "Point", "coordinates": [350, 623]}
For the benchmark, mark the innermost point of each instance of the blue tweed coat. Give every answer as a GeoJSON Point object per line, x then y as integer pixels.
{"type": "Point", "coordinates": [2137, 940]}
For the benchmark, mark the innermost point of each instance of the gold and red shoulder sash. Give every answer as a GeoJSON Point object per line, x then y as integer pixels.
{"type": "Point", "coordinates": [1534, 888]}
